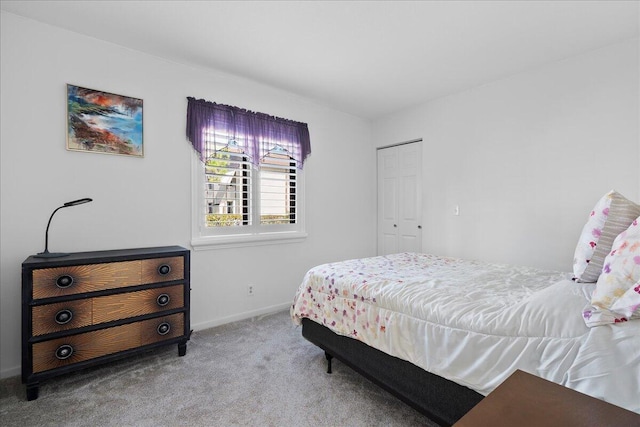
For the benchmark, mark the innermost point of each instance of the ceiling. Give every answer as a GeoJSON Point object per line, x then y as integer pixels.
{"type": "Point", "coordinates": [367, 58]}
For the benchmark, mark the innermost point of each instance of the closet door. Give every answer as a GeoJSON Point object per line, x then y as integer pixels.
{"type": "Point", "coordinates": [400, 198]}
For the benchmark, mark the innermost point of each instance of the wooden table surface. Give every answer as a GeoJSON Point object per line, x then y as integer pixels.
{"type": "Point", "coordinates": [524, 400]}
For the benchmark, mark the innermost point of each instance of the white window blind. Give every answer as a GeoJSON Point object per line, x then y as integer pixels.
{"type": "Point", "coordinates": [228, 188]}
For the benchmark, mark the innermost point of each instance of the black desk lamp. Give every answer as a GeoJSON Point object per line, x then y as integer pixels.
{"type": "Point", "coordinates": [46, 253]}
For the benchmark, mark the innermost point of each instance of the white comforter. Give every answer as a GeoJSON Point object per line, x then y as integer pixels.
{"type": "Point", "coordinates": [476, 323]}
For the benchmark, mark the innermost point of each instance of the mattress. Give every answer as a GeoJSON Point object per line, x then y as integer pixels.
{"type": "Point", "coordinates": [475, 323]}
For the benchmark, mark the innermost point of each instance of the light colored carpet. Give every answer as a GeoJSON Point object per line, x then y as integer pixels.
{"type": "Point", "coordinates": [257, 372]}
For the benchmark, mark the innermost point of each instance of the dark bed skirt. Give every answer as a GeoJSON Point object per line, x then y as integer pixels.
{"type": "Point", "coordinates": [441, 400]}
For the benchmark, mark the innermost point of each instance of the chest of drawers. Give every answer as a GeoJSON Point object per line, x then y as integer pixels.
{"type": "Point", "coordinates": [91, 308]}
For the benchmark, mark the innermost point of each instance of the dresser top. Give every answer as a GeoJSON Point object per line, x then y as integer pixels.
{"type": "Point", "coordinates": [105, 256]}
{"type": "Point", "coordinates": [526, 400]}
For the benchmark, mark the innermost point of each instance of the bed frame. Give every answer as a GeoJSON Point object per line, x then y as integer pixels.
{"type": "Point", "coordinates": [441, 400]}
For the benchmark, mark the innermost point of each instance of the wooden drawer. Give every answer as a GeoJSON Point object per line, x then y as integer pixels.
{"type": "Point", "coordinates": [75, 314]}
{"type": "Point", "coordinates": [61, 281]}
{"type": "Point", "coordinates": [123, 306]}
{"type": "Point", "coordinates": [78, 348]}
{"type": "Point", "coordinates": [162, 269]}
{"type": "Point", "coordinates": [61, 316]}
{"type": "Point", "coordinates": [162, 328]}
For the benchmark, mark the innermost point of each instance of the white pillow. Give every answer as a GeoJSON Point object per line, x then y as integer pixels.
{"type": "Point", "coordinates": [612, 215]}
{"type": "Point", "coordinates": [617, 294]}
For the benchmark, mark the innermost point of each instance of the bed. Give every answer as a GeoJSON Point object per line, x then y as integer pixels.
{"type": "Point", "coordinates": [440, 332]}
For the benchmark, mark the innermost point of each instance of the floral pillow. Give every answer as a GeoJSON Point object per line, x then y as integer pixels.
{"type": "Point", "coordinates": [617, 294]}
{"type": "Point", "coordinates": [612, 215]}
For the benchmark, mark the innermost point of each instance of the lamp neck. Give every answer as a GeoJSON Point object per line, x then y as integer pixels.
{"type": "Point", "coordinates": [46, 234]}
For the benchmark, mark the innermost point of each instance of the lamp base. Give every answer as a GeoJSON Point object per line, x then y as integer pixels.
{"type": "Point", "coordinates": [50, 255]}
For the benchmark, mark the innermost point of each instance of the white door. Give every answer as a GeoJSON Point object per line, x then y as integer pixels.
{"type": "Point", "coordinates": [400, 198]}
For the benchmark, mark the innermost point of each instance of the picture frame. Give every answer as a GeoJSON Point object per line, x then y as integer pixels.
{"type": "Point", "coordinates": [103, 122]}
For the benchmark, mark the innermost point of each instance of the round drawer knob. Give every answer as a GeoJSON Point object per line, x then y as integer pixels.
{"type": "Point", "coordinates": [163, 299]}
{"type": "Point", "coordinates": [64, 316]}
{"type": "Point", "coordinates": [64, 281]}
{"type": "Point", "coordinates": [164, 269]}
{"type": "Point", "coordinates": [163, 328]}
{"type": "Point", "coordinates": [64, 352]}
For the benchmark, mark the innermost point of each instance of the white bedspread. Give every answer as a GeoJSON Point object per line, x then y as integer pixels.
{"type": "Point", "coordinates": [475, 323]}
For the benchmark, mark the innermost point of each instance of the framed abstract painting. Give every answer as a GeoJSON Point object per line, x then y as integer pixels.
{"type": "Point", "coordinates": [102, 122]}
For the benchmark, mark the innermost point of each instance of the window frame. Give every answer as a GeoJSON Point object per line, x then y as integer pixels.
{"type": "Point", "coordinates": [204, 238]}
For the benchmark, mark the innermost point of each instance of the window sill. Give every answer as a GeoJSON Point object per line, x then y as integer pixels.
{"type": "Point", "coordinates": [245, 240]}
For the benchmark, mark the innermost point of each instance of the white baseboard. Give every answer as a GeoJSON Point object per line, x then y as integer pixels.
{"type": "Point", "coordinates": [11, 372]}
{"type": "Point", "coordinates": [240, 316]}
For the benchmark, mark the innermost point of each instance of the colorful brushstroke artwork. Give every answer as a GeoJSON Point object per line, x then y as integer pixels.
{"type": "Point", "coordinates": [103, 122]}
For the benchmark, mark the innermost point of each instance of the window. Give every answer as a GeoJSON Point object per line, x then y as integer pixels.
{"type": "Point", "coordinates": [247, 187]}
{"type": "Point", "coordinates": [238, 196]}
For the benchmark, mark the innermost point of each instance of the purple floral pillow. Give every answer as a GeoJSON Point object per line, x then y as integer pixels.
{"type": "Point", "coordinates": [612, 215]}
{"type": "Point", "coordinates": [617, 294]}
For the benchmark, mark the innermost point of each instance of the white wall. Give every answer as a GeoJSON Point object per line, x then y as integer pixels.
{"type": "Point", "coordinates": [141, 202]}
{"type": "Point", "coordinates": [527, 157]}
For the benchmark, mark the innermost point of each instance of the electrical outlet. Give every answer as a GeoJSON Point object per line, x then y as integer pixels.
{"type": "Point", "coordinates": [250, 289]}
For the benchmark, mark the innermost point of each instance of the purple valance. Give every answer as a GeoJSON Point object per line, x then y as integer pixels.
{"type": "Point", "coordinates": [255, 133]}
